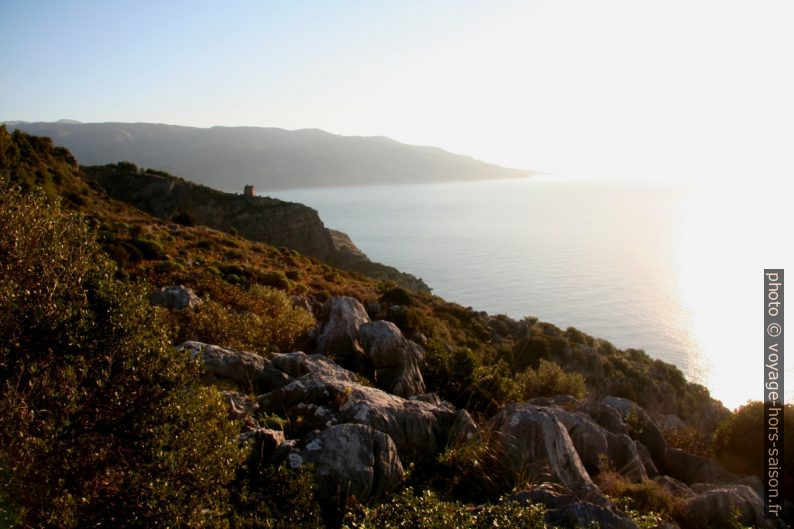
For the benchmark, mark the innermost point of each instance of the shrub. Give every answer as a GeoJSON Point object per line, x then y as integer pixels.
{"type": "Point", "coordinates": [149, 249]}
{"type": "Point", "coordinates": [275, 497]}
{"type": "Point", "coordinates": [460, 377]}
{"type": "Point", "coordinates": [690, 439]}
{"type": "Point", "coordinates": [549, 379]}
{"type": "Point", "coordinates": [739, 442]}
{"type": "Point", "coordinates": [128, 167]}
{"type": "Point", "coordinates": [426, 510]}
{"type": "Point", "coordinates": [167, 267]}
{"type": "Point", "coordinates": [101, 421]}
{"type": "Point", "coordinates": [529, 352]}
{"type": "Point", "coordinates": [472, 470]}
{"type": "Point", "coordinates": [274, 278]}
{"type": "Point", "coordinates": [647, 496]}
{"type": "Point", "coordinates": [261, 319]}
{"type": "Point", "coordinates": [397, 296]}
{"type": "Point", "coordinates": [184, 217]}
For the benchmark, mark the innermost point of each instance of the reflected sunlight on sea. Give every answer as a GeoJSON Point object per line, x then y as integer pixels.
{"type": "Point", "coordinates": [668, 268]}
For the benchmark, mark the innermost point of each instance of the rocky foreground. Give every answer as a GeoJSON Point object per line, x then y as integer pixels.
{"type": "Point", "coordinates": [360, 440]}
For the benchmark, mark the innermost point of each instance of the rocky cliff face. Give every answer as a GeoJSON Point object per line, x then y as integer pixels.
{"type": "Point", "coordinates": [262, 219]}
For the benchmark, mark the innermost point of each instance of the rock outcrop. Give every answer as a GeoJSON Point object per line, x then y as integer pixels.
{"type": "Point", "coordinates": [724, 506]}
{"type": "Point", "coordinates": [419, 429]}
{"type": "Point", "coordinates": [691, 469]}
{"type": "Point", "coordinates": [176, 297]}
{"type": "Point", "coordinates": [248, 370]}
{"type": "Point", "coordinates": [337, 334]}
{"type": "Point", "coordinates": [531, 441]}
{"type": "Point", "coordinates": [358, 438]}
{"type": "Point", "coordinates": [394, 359]}
{"type": "Point", "coordinates": [351, 460]}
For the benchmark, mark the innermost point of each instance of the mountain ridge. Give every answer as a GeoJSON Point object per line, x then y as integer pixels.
{"type": "Point", "coordinates": [270, 158]}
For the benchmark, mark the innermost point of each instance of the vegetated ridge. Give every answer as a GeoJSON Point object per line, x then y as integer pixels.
{"type": "Point", "coordinates": [256, 218]}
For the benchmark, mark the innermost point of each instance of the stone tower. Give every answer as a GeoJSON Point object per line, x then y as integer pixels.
{"type": "Point", "coordinates": [249, 191]}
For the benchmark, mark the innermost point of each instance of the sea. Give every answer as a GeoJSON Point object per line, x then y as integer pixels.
{"type": "Point", "coordinates": [674, 269]}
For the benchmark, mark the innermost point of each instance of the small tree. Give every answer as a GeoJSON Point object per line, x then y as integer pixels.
{"type": "Point", "coordinates": [101, 421]}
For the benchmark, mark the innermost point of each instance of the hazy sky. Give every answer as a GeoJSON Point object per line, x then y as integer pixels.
{"type": "Point", "coordinates": [614, 87]}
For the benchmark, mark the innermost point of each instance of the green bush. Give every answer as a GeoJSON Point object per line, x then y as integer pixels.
{"type": "Point", "coordinates": [529, 351]}
{"type": "Point", "coordinates": [739, 442]}
{"type": "Point", "coordinates": [261, 319]}
{"type": "Point", "coordinates": [273, 278]}
{"type": "Point", "coordinates": [184, 217]}
{"type": "Point", "coordinates": [548, 380]}
{"type": "Point", "coordinates": [149, 249]}
{"type": "Point", "coordinates": [101, 421]}
{"type": "Point", "coordinates": [427, 511]}
{"type": "Point", "coordinates": [275, 497]}
{"type": "Point", "coordinates": [460, 377]}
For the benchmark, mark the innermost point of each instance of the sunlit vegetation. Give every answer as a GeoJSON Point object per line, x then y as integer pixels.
{"type": "Point", "coordinates": [101, 420]}
{"type": "Point", "coordinates": [426, 510]}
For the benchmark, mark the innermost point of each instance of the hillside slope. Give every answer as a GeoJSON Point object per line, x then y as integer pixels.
{"type": "Point", "coordinates": [498, 421]}
{"type": "Point", "coordinates": [228, 158]}
{"type": "Point", "coordinates": [256, 218]}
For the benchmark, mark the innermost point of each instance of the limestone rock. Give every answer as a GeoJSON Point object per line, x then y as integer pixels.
{"type": "Point", "coordinates": [594, 443]}
{"type": "Point", "coordinates": [352, 460]}
{"type": "Point", "coordinates": [532, 442]}
{"type": "Point", "coordinates": [419, 429]}
{"type": "Point", "coordinates": [566, 510]}
{"type": "Point", "coordinates": [265, 442]}
{"type": "Point", "coordinates": [240, 406]}
{"type": "Point", "coordinates": [394, 359]}
{"type": "Point", "coordinates": [297, 364]}
{"type": "Point", "coordinates": [175, 297]}
{"type": "Point", "coordinates": [642, 428]}
{"type": "Point", "coordinates": [337, 335]}
{"type": "Point", "coordinates": [716, 508]}
{"type": "Point", "coordinates": [691, 469]}
{"type": "Point", "coordinates": [674, 487]}
{"type": "Point", "coordinates": [247, 370]}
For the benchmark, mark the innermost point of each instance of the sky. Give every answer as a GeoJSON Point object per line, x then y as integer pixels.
{"type": "Point", "coordinates": [616, 88]}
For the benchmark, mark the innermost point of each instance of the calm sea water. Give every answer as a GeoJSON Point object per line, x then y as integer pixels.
{"type": "Point", "coordinates": [664, 268]}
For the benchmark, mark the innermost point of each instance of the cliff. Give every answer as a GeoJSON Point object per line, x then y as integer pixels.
{"type": "Point", "coordinates": [256, 218]}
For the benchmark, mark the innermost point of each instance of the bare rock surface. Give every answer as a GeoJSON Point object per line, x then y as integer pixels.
{"type": "Point", "coordinates": [337, 335]}
{"type": "Point", "coordinates": [718, 506]}
{"type": "Point", "coordinates": [419, 429]}
{"type": "Point", "coordinates": [175, 297]}
{"type": "Point", "coordinates": [395, 360]}
{"type": "Point", "coordinates": [691, 469]}
{"type": "Point", "coordinates": [532, 442]}
{"type": "Point", "coordinates": [247, 370]}
{"type": "Point", "coordinates": [352, 460]}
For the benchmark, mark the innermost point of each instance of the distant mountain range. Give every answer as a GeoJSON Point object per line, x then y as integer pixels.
{"type": "Point", "coordinates": [228, 158]}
